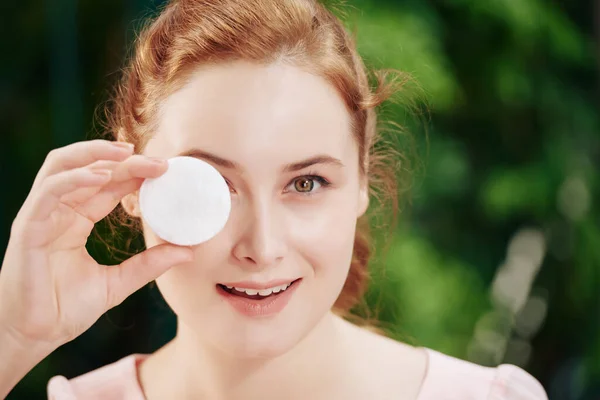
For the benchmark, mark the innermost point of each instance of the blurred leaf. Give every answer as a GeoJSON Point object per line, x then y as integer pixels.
{"type": "Point", "coordinates": [427, 293]}
{"type": "Point", "coordinates": [408, 42]}
{"type": "Point", "coordinates": [511, 191]}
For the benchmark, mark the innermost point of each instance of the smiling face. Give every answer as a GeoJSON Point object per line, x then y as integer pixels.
{"type": "Point", "coordinates": [281, 137]}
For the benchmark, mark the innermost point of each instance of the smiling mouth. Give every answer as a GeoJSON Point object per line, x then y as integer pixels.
{"type": "Point", "coordinates": [257, 294]}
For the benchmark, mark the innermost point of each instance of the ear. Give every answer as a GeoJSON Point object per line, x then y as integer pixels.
{"type": "Point", "coordinates": [131, 204]}
{"type": "Point", "coordinates": [363, 199]}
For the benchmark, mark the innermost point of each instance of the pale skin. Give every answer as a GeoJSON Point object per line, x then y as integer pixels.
{"type": "Point", "coordinates": [266, 121]}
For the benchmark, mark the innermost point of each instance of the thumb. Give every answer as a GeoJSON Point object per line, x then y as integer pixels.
{"type": "Point", "coordinates": [137, 271]}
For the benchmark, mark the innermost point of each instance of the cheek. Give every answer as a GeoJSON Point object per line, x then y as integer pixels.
{"type": "Point", "coordinates": [324, 234]}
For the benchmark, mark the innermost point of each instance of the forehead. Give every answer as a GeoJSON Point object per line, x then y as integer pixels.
{"type": "Point", "coordinates": [246, 111]}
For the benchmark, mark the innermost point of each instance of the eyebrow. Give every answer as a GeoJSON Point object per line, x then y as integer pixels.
{"type": "Point", "coordinates": [292, 167]}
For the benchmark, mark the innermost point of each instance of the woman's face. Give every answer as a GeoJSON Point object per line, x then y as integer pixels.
{"type": "Point", "coordinates": [281, 138]}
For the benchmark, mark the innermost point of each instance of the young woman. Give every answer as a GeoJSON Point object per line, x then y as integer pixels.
{"type": "Point", "coordinates": [275, 96]}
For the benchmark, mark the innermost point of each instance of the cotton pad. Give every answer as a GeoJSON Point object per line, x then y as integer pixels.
{"type": "Point", "coordinates": [187, 205]}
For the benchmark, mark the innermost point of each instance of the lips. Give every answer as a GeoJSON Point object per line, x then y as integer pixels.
{"type": "Point", "coordinates": [256, 305]}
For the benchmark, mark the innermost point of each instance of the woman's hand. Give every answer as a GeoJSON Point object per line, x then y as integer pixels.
{"type": "Point", "coordinates": [51, 289]}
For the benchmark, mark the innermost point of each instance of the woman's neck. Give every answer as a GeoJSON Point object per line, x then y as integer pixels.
{"type": "Point", "coordinates": [187, 368]}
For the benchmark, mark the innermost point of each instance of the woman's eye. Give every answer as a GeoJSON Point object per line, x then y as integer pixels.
{"type": "Point", "coordinates": [308, 184]}
{"type": "Point", "coordinates": [304, 185]}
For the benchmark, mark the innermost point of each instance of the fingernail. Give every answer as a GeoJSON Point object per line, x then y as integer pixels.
{"type": "Point", "coordinates": [124, 145]}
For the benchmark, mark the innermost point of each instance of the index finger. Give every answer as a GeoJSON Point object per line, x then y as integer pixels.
{"type": "Point", "coordinates": [79, 155]}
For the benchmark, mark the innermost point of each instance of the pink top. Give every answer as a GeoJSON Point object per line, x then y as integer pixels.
{"type": "Point", "coordinates": [447, 378]}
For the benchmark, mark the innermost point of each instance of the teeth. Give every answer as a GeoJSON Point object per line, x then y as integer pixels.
{"type": "Point", "coordinates": [264, 292]}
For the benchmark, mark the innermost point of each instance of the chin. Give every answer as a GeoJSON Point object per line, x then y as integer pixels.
{"type": "Point", "coordinates": [260, 339]}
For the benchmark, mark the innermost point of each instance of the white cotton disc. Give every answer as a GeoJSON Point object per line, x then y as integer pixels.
{"type": "Point", "coordinates": [187, 205]}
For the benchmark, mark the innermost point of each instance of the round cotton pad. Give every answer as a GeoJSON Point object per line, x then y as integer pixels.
{"type": "Point", "coordinates": [187, 205]}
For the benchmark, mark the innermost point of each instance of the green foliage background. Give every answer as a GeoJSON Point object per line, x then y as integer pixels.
{"type": "Point", "coordinates": [508, 133]}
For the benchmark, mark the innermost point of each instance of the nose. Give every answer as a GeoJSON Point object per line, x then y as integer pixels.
{"type": "Point", "coordinates": [261, 240]}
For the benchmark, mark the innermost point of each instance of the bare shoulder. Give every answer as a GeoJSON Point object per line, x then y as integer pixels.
{"type": "Point", "coordinates": [396, 368]}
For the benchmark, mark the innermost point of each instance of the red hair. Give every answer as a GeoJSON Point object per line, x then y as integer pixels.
{"type": "Point", "coordinates": [303, 33]}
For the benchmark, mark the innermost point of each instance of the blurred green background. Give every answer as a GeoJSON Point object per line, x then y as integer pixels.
{"type": "Point", "coordinates": [497, 260]}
